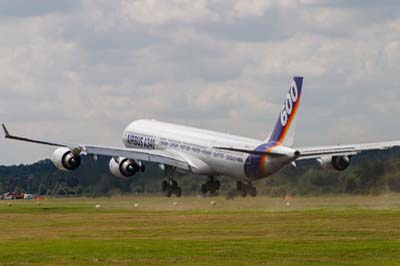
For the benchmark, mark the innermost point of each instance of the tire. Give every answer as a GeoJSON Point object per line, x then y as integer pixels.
{"type": "Point", "coordinates": [212, 189]}
{"type": "Point", "coordinates": [164, 186]}
{"type": "Point", "coordinates": [239, 186]}
{"type": "Point", "coordinates": [204, 189]}
{"type": "Point", "coordinates": [169, 193]}
{"type": "Point", "coordinates": [217, 184]}
{"type": "Point", "coordinates": [178, 192]}
{"type": "Point", "coordinates": [174, 184]}
{"type": "Point", "coordinates": [243, 193]}
{"type": "Point", "coordinates": [253, 192]}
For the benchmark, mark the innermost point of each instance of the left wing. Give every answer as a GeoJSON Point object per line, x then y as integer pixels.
{"type": "Point", "coordinates": [156, 156]}
{"type": "Point", "coordinates": [343, 150]}
{"type": "Point", "coordinates": [166, 157]}
{"type": "Point", "coordinates": [7, 135]}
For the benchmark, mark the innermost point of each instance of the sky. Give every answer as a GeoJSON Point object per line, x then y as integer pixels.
{"type": "Point", "coordinates": [80, 71]}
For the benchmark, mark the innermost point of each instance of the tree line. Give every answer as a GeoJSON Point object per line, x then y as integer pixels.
{"type": "Point", "coordinates": [369, 173]}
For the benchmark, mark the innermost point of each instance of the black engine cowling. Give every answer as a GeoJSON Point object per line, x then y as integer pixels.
{"type": "Point", "coordinates": [123, 167]}
{"type": "Point", "coordinates": [64, 159]}
{"type": "Point", "coordinates": [339, 163]}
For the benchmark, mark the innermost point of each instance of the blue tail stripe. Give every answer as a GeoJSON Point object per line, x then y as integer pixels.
{"type": "Point", "coordinates": [288, 111]}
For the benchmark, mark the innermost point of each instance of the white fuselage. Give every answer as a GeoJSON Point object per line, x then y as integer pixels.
{"type": "Point", "coordinates": [193, 143]}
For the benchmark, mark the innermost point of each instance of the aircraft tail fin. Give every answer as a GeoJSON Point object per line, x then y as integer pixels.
{"type": "Point", "coordinates": [284, 129]}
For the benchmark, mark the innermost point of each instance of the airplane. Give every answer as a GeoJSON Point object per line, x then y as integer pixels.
{"type": "Point", "coordinates": [208, 153]}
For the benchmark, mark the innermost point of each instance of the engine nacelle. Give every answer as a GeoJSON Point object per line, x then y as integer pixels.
{"type": "Point", "coordinates": [65, 160]}
{"type": "Point", "coordinates": [123, 167]}
{"type": "Point", "coordinates": [339, 163]}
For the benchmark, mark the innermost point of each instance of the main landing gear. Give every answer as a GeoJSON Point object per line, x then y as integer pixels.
{"type": "Point", "coordinates": [212, 185]}
{"type": "Point", "coordinates": [170, 186]}
{"type": "Point", "coordinates": [246, 187]}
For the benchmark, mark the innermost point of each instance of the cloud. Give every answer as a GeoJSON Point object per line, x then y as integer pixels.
{"type": "Point", "coordinates": [21, 8]}
{"type": "Point", "coordinates": [251, 8]}
{"type": "Point", "coordinates": [82, 70]}
{"type": "Point", "coordinates": [162, 12]}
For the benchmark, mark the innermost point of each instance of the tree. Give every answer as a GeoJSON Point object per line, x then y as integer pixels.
{"type": "Point", "coordinates": [42, 190]}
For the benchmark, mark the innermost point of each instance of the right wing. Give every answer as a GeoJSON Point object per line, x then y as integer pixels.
{"type": "Point", "coordinates": [156, 156]}
{"type": "Point", "coordinates": [344, 150]}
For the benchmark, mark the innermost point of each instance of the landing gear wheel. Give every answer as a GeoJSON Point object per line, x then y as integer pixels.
{"type": "Point", "coordinates": [204, 189]}
{"type": "Point", "coordinates": [246, 188]}
{"type": "Point", "coordinates": [170, 186]}
{"type": "Point", "coordinates": [212, 190]}
{"type": "Point", "coordinates": [239, 186]}
{"type": "Point", "coordinates": [169, 192]}
{"type": "Point", "coordinates": [178, 192]}
{"type": "Point", "coordinates": [217, 184]}
{"type": "Point", "coordinates": [211, 186]}
{"type": "Point", "coordinates": [164, 186]}
{"type": "Point", "coordinates": [253, 191]}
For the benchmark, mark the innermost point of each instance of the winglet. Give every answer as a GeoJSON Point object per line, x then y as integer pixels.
{"type": "Point", "coordinates": [6, 133]}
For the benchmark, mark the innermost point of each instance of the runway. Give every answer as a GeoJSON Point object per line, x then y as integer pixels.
{"type": "Point", "coordinates": [201, 231]}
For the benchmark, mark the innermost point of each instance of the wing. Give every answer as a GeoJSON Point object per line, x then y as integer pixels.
{"type": "Point", "coordinates": [351, 149]}
{"type": "Point", "coordinates": [156, 156]}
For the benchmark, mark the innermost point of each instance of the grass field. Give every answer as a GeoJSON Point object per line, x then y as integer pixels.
{"type": "Point", "coordinates": [262, 231]}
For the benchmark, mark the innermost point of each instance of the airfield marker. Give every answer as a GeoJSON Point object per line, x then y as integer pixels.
{"type": "Point", "coordinates": [288, 198]}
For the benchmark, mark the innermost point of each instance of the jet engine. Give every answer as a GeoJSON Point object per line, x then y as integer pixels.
{"type": "Point", "coordinates": [123, 167]}
{"type": "Point", "coordinates": [339, 163]}
{"type": "Point", "coordinates": [65, 160]}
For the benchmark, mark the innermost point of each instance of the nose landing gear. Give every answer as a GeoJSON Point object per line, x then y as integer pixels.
{"type": "Point", "coordinates": [170, 186]}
